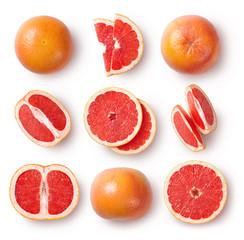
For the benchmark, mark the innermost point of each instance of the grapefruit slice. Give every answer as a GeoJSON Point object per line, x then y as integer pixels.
{"type": "Point", "coordinates": [200, 109]}
{"type": "Point", "coordinates": [42, 118]}
{"type": "Point", "coordinates": [112, 116]}
{"type": "Point", "coordinates": [195, 192]}
{"type": "Point", "coordinates": [186, 130]}
{"type": "Point", "coordinates": [145, 135]}
{"type": "Point", "coordinates": [44, 192]}
{"type": "Point", "coordinates": [123, 43]}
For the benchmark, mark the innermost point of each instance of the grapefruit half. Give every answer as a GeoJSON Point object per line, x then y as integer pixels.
{"type": "Point", "coordinates": [123, 43]}
{"type": "Point", "coordinates": [113, 116]}
{"type": "Point", "coordinates": [145, 135]}
{"type": "Point", "coordinates": [200, 109]}
{"type": "Point", "coordinates": [195, 192]}
{"type": "Point", "coordinates": [44, 192]}
{"type": "Point", "coordinates": [42, 118]}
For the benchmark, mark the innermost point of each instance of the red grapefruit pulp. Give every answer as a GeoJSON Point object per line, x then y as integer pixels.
{"type": "Point", "coordinates": [44, 192]}
{"type": "Point", "coordinates": [200, 109]}
{"type": "Point", "coordinates": [195, 192]}
{"type": "Point", "coordinates": [112, 116]}
{"type": "Point", "coordinates": [186, 130]}
{"type": "Point", "coordinates": [123, 43]}
{"type": "Point", "coordinates": [42, 118]}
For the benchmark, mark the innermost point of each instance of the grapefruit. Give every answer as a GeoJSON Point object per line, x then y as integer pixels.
{"type": "Point", "coordinates": [145, 135]}
{"type": "Point", "coordinates": [123, 43]}
{"type": "Point", "coordinates": [112, 116]}
{"type": "Point", "coordinates": [43, 44]}
{"type": "Point", "coordinates": [42, 118]}
{"type": "Point", "coordinates": [44, 192]}
{"type": "Point", "coordinates": [121, 194]}
{"type": "Point", "coordinates": [195, 192]}
{"type": "Point", "coordinates": [200, 109]}
{"type": "Point", "coordinates": [190, 44]}
{"type": "Point", "coordinates": [185, 129]}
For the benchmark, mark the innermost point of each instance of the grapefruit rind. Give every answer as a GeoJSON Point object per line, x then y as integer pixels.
{"type": "Point", "coordinates": [208, 128]}
{"type": "Point", "coordinates": [136, 129]}
{"type": "Point", "coordinates": [201, 146]}
{"type": "Point", "coordinates": [44, 215]}
{"type": "Point", "coordinates": [189, 220]}
{"type": "Point", "coordinates": [59, 135]}
{"type": "Point", "coordinates": [148, 141]}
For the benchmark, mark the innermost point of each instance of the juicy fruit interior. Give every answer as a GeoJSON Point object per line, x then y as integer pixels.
{"type": "Point", "coordinates": [112, 116]}
{"type": "Point", "coordinates": [195, 191]}
{"type": "Point", "coordinates": [121, 44]}
{"type": "Point", "coordinates": [33, 193]}
{"type": "Point", "coordinates": [43, 108]}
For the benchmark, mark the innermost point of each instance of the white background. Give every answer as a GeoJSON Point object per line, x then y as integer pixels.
{"type": "Point", "coordinates": [151, 80]}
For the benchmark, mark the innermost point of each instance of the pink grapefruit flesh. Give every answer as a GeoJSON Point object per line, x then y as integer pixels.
{"type": "Point", "coordinates": [195, 192]}
{"type": "Point", "coordinates": [145, 135]}
{"type": "Point", "coordinates": [186, 130]}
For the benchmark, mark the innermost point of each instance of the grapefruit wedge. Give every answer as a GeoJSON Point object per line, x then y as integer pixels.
{"type": "Point", "coordinates": [195, 192]}
{"type": "Point", "coordinates": [123, 43]}
{"type": "Point", "coordinates": [200, 109]}
{"type": "Point", "coordinates": [186, 130]}
{"type": "Point", "coordinates": [42, 118]}
{"type": "Point", "coordinates": [44, 192]}
{"type": "Point", "coordinates": [145, 135]}
{"type": "Point", "coordinates": [113, 116]}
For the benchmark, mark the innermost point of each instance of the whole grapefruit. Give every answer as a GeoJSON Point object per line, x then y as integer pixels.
{"type": "Point", "coordinates": [190, 44]}
{"type": "Point", "coordinates": [43, 44]}
{"type": "Point", "coordinates": [121, 193]}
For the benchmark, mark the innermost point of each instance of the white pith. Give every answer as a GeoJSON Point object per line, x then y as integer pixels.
{"type": "Point", "coordinates": [117, 46]}
{"type": "Point", "coordinates": [192, 148]}
{"type": "Point", "coordinates": [41, 117]}
{"type": "Point", "coordinates": [136, 129]}
{"type": "Point", "coordinates": [189, 220]}
{"type": "Point", "coordinates": [208, 128]}
{"type": "Point", "coordinates": [44, 215]}
{"type": "Point", "coordinates": [149, 140]}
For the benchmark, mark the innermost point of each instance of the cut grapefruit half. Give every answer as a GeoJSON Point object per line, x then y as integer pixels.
{"type": "Point", "coordinates": [123, 43]}
{"type": "Point", "coordinates": [42, 118]}
{"type": "Point", "coordinates": [145, 135]}
{"type": "Point", "coordinates": [44, 192]}
{"type": "Point", "coordinates": [113, 116]}
{"type": "Point", "coordinates": [185, 129]}
{"type": "Point", "coordinates": [200, 109]}
{"type": "Point", "coordinates": [195, 192]}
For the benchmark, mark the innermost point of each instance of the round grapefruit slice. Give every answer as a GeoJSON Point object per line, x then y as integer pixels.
{"type": "Point", "coordinates": [200, 109]}
{"type": "Point", "coordinates": [42, 118]}
{"type": "Point", "coordinates": [112, 116]}
{"type": "Point", "coordinates": [44, 192]}
{"type": "Point", "coordinates": [123, 43]}
{"type": "Point", "coordinates": [145, 135]}
{"type": "Point", "coordinates": [186, 130]}
{"type": "Point", "coordinates": [195, 192]}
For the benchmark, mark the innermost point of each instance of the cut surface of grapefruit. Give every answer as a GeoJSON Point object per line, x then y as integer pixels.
{"type": "Point", "coordinates": [44, 192]}
{"type": "Point", "coordinates": [42, 118]}
{"type": "Point", "coordinates": [145, 135]}
{"type": "Point", "coordinates": [185, 129]}
{"type": "Point", "coordinates": [112, 116]}
{"type": "Point", "coordinates": [123, 43]}
{"type": "Point", "coordinates": [200, 109]}
{"type": "Point", "coordinates": [195, 192]}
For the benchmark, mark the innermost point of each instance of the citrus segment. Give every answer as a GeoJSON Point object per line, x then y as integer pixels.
{"type": "Point", "coordinates": [112, 116]}
{"type": "Point", "coordinates": [200, 109]}
{"type": "Point", "coordinates": [195, 192]}
{"type": "Point", "coordinates": [123, 43]}
{"type": "Point", "coordinates": [186, 130]}
{"type": "Point", "coordinates": [42, 118]}
{"type": "Point", "coordinates": [145, 135]}
{"type": "Point", "coordinates": [44, 192]}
